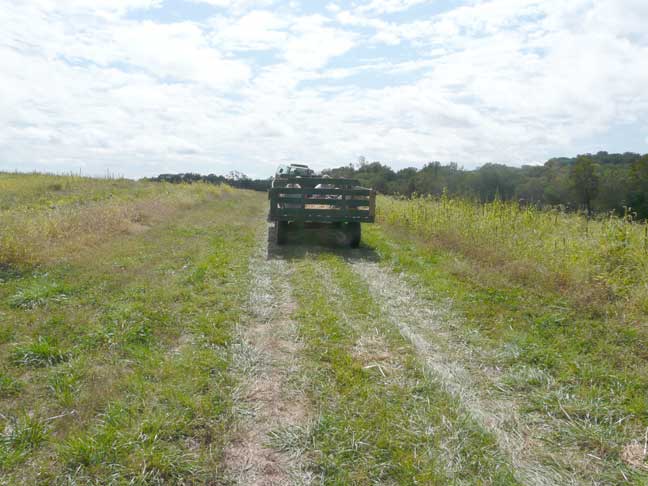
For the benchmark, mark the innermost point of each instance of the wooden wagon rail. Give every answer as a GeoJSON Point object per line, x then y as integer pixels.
{"type": "Point", "coordinates": [322, 205]}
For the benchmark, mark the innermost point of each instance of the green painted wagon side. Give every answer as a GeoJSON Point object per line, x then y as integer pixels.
{"type": "Point", "coordinates": [321, 202]}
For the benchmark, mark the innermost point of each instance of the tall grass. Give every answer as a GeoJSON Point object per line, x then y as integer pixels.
{"type": "Point", "coordinates": [47, 190]}
{"type": "Point", "coordinates": [601, 260]}
{"type": "Point", "coordinates": [43, 217]}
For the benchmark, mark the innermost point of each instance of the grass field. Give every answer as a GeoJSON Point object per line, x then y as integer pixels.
{"type": "Point", "coordinates": [553, 311]}
{"type": "Point", "coordinates": [117, 318]}
{"type": "Point", "coordinates": [150, 334]}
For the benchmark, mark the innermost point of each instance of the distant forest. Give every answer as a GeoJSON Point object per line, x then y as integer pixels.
{"type": "Point", "coordinates": [234, 179]}
{"type": "Point", "coordinates": [599, 182]}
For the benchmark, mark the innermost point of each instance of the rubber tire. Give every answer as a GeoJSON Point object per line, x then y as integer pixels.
{"type": "Point", "coordinates": [281, 230]}
{"type": "Point", "coordinates": [355, 234]}
{"type": "Point", "coordinates": [339, 234]}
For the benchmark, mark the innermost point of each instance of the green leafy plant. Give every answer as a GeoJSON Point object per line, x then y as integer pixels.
{"type": "Point", "coordinates": [42, 352]}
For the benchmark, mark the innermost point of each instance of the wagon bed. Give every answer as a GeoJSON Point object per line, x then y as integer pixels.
{"type": "Point", "coordinates": [316, 201]}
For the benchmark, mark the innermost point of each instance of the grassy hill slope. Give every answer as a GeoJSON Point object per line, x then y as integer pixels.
{"type": "Point", "coordinates": [117, 302]}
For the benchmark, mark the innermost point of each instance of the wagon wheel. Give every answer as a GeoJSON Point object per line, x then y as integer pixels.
{"type": "Point", "coordinates": [281, 230]}
{"type": "Point", "coordinates": [340, 235]}
{"type": "Point", "coordinates": [354, 231]}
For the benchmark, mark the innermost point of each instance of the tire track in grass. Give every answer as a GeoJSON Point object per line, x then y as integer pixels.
{"type": "Point", "coordinates": [269, 403]}
{"type": "Point", "coordinates": [381, 420]}
{"type": "Point", "coordinates": [426, 328]}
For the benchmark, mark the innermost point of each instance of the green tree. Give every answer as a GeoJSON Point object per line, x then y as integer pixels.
{"type": "Point", "coordinates": [585, 181]}
{"type": "Point", "coordinates": [638, 197]}
{"type": "Point", "coordinates": [494, 180]}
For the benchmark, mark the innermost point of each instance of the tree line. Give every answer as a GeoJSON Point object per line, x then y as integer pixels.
{"type": "Point", "coordinates": [234, 179]}
{"type": "Point", "coordinates": [600, 182]}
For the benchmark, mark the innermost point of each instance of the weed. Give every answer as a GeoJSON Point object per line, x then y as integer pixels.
{"type": "Point", "coordinates": [524, 378]}
{"type": "Point", "coordinates": [9, 386]}
{"type": "Point", "coordinates": [42, 352]}
{"type": "Point", "coordinates": [160, 464]}
{"type": "Point", "coordinates": [6, 335]}
{"type": "Point", "coordinates": [91, 451]}
{"type": "Point", "coordinates": [39, 293]}
{"type": "Point", "coordinates": [8, 272]}
{"type": "Point", "coordinates": [293, 439]}
{"type": "Point", "coordinates": [20, 436]}
{"type": "Point", "coordinates": [65, 381]}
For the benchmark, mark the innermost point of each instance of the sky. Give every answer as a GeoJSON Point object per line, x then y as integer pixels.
{"type": "Point", "coordinates": [142, 87]}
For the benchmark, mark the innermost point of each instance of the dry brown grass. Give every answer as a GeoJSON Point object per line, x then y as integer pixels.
{"type": "Point", "coordinates": [634, 455]}
{"type": "Point", "coordinates": [35, 235]}
{"type": "Point", "coordinates": [491, 252]}
{"type": "Point", "coordinates": [494, 270]}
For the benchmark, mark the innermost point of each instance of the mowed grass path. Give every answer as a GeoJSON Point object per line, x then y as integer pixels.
{"type": "Point", "coordinates": [114, 360]}
{"type": "Point", "coordinates": [382, 419]}
{"type": "Point", "coordinates": [122, 310]}
{"type": "Point", "coordinates": [576, 379]}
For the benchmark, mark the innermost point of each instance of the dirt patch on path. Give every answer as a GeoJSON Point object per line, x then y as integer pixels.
{"type": "Point", "coordinates": [428, 328]}
{"type": "Point", "coordinates": [269, 398]}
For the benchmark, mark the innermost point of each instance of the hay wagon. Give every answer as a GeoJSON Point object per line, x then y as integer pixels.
{"type": "Point", "coordinates": [302, 201]}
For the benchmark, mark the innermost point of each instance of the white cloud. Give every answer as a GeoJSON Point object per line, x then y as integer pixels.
{"type": "Point", "coordinates": [82, 85]}
{"type": "Point", "coordinates": [556, 77]}
{"type": "Point", "coordinates": [238, 6]}
{"type": "Point", "coordinates": [257, 30]}
{"type": "Point", "coordinates": [389, 6]}
{"type": "Point", "coordinates": [178, 51]}
{"type": "Point", "coordinates": [304, 42]}
{"type": "Point", "coordinates": [314, 44]}
{"type": "Point", "coordinates": [103, 8]}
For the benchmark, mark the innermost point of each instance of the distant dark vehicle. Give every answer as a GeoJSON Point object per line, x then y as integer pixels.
{"type": "Point", "coordinates": [301, 200]}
